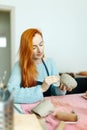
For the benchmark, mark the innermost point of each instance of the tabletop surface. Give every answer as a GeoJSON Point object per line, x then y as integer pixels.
{"type": "Point", "coordinates": [66, 103]}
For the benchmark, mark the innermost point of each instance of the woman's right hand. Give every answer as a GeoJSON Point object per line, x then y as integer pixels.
{"type": "Point", "coordinates": [48, 81]}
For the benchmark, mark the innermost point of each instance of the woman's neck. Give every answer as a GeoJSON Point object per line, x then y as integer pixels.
{"type": "Point", "coordinates": [38, 61]}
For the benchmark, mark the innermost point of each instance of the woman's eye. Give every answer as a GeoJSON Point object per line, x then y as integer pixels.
{"type": "Point", "coordinates": [34, 47]}
{"type": "Point", "coordinates": [41, 44]}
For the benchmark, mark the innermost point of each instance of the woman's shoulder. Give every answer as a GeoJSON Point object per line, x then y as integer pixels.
{"type": "Point", "coordinates": [16, 65]}
{"type": "Point", "coordinates": [49, 60]}
{"type": "Point", "coordinates": [51, 64]}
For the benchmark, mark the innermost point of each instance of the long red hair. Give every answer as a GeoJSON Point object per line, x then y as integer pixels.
{"type": "Point", "coordinates": [28, 67]}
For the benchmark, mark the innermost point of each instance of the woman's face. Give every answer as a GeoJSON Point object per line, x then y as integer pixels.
{"type": "Point", "coordinates": [38, 47]}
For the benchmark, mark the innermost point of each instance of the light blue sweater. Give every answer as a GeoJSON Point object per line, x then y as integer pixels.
{"type": "Point", "coordinates": [33, 94]}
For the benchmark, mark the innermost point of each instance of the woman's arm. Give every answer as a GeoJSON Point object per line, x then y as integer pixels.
{"type": "Point", "coordinates": [56, 90]}
{"type": "Point", "coordinates": [23, 95]}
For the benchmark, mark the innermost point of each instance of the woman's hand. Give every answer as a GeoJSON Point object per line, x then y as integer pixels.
{"type": "Point", "coordinates": [48, 81]}
{"type": "Point", "coordinates": [63, 87]}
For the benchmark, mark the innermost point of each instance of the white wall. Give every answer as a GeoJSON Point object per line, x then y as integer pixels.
{"type": "Point", "coordinates": [64, 26]}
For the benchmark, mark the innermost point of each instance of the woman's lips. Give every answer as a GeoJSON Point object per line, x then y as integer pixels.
{"type": "Point", "coordinates": [39, 54]}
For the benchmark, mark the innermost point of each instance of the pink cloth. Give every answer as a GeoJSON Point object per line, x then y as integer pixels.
{"type": "Point", "coordinates": [65, 103]}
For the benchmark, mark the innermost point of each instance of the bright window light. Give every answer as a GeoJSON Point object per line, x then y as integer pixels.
{"type": "Point", "coordinates": [3, 42]}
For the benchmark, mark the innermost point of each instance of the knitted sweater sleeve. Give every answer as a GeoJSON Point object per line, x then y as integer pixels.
{"type": "Point", "coordinates": [55, 90]}
{"type": "Point", "coordinates": [23, 95]}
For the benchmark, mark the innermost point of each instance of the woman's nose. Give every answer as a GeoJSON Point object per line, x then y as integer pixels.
{"type": "Point", "coordinates": [38, 49]}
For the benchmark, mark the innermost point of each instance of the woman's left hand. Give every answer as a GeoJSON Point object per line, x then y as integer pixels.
{"type": "Point", "coordinates": [63, 87]}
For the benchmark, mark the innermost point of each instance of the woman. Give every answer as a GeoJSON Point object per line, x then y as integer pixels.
{"type": "Point", "coordinates": [34, 75]}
